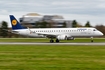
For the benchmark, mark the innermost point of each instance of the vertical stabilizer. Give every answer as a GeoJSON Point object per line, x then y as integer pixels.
{"type": "Point", "coordinates": [15, 24]}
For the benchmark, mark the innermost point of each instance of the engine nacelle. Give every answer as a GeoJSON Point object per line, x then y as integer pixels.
{"type": "Point", "coordinates": [61, 37]}
{"type": "Point", "coordinates": [70, 38]}
{"type": "Point", "coordinates": [64, 37]}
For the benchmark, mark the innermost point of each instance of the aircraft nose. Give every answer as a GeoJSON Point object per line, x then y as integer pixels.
{"type": "Point", "coordinates": [101, 33]}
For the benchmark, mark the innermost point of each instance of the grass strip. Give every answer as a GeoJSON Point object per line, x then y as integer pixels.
{"type": "Point", "coordinates": [49, 57]}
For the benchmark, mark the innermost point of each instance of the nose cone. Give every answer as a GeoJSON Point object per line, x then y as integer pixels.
{"type": "Point", "coordinates": [101, 34]}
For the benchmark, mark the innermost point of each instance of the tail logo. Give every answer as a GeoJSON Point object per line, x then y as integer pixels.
{"type": "Point", "coordinates": [14, 22]}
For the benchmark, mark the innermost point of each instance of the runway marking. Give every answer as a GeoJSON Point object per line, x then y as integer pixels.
{"type": "Point", "coordinates": [39, 43]}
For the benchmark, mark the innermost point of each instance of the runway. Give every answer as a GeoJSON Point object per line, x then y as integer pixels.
{"type": "Point", "coordinates": [39, 43]}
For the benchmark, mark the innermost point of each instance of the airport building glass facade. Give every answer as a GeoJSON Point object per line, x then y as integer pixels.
{"type": "Point", "coordinates": [55, 21]}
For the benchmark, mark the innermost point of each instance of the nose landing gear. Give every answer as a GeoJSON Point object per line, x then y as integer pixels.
{"type": "Point", "coordinates": [91, 39]}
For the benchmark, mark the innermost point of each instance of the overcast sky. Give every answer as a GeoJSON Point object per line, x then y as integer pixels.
{"type": "Point", "coordinates": [80, 10]}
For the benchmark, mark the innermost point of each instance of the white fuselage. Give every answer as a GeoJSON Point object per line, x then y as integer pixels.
{"type": "Point", "coordinates": [42, 32]}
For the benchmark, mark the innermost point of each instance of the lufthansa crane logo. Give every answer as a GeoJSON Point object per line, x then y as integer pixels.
{"type": "Point", "coordinates": [14, 22]}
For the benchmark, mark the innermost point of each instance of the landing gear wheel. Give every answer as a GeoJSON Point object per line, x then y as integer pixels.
{"type": "Point", "coordinates": [57, 41]}
{"type": "Point", "coordinates": [51, 41]}
{"type": "Point", "coordinates": [91, 39]}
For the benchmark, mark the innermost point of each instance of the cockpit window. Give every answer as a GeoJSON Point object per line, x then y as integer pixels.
{"type": "Point", "coordinates": [94, 29]}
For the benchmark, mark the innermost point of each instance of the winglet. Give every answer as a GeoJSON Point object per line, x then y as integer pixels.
{"type": "Point", "coordinates": [15, 24]}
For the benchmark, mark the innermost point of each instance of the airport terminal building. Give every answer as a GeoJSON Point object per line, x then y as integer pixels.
{"type": "Point", "coordinates": [55, 21]}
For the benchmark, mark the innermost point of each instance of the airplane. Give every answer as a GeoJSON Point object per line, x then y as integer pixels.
{"type": "Point", "coordinates": [57, 33]}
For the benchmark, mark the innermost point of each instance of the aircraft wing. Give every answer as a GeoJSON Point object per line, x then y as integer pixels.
{"type": "Point", "coordinates": [53, 35]}
{"type": "Point", "coordinates": [47, 34]}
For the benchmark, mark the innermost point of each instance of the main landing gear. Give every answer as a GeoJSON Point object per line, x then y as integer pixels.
{"type": "Point", "coordinates": [52, 41]}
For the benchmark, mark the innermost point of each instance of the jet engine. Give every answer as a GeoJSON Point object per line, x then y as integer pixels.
{"type": "Point", "coordinates": [65, 37]}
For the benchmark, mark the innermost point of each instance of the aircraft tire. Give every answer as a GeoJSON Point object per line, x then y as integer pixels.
{"type": "Point", "coordinates": [51, 41]}
{"type": "Point", "coordinates": [57, 41]}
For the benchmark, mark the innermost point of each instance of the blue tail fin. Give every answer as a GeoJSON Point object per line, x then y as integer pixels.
{"type": "Point", "coordinates": [15, 24]}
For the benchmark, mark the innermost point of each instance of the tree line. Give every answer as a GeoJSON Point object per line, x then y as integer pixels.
{"type": "Point", "coordinates": [4, 27]}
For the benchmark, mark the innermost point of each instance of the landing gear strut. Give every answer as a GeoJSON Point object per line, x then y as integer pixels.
{"type": "Point", "coordinates": [91, 39]}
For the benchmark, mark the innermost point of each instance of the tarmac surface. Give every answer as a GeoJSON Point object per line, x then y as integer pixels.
{"type": "Point", "coordinates": [44, 43]}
